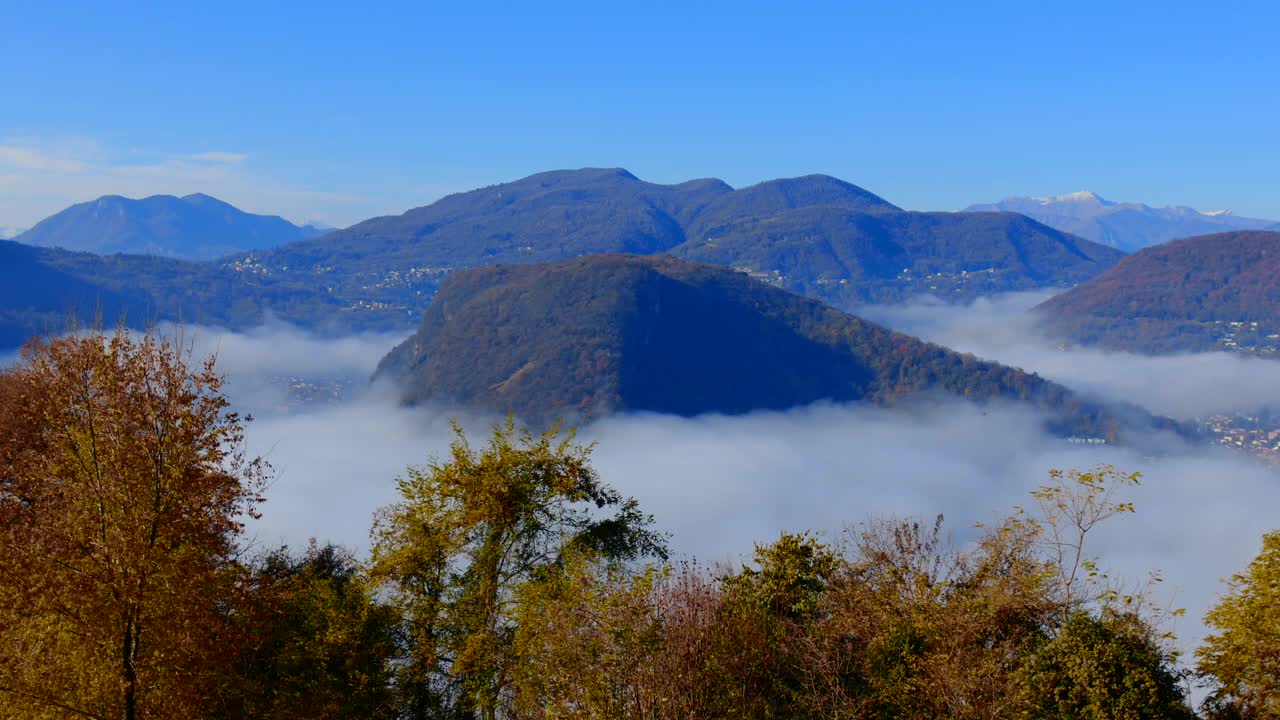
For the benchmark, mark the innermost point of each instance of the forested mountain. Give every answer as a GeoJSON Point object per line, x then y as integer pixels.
{"type": "Point", "coordinates": [1123, 225]}
{"type": "Point", "coordinates": [815, 235]}
{"type": "Point", "coordinates": [1203, 293]}
{"type": "Point", "coordinates": [606, 333]}
{"type": "Point", "coordinates": [194, 227]}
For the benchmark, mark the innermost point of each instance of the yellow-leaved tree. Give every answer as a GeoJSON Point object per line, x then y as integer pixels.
{"type": "Point", "coordinates": [123, 487]}
{"type": "Point", "coordinates": [1242, 657]}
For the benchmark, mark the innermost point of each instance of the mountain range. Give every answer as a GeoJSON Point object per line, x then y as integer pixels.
{"type": "Point", "coordinates": [1124, 225]}
{"type": "Point", "coordinates": [814, 235]}
{"type": "Point", "coordinates": [601, 334]}
{"type": "Point", "coordinates": [194, 227]}
{"type": "Point", "coordinates": [1212, 292]}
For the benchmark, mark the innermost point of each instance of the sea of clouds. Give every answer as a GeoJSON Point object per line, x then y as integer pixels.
{"type": "Point", "coordinates": [720, 484]}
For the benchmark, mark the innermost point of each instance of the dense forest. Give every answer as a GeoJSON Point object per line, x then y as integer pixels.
{"type": "Point", "coordinates": [510, 580]}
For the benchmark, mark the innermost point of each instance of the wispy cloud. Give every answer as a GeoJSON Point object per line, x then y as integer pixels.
{"type": "Point", "coordinates": [16, 157]}
{"type": "Point", "coordinates": [224, 158]}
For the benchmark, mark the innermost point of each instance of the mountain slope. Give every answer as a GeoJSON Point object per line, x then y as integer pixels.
{"type": "Point", "coordinates": [1127, 226]}
{"type": "Point", "coordinates": [39, 299]}
{"type": "Point", "coordinates": [195, 227]}
{"type": "Point", "coordinates": [608, 333]}
{"type": "Point", "coordinates": [807, 233]}
{"type": "Point", "coordinates": [1203, 293]}
{"type": "Point", "coordinates": [42, 288]}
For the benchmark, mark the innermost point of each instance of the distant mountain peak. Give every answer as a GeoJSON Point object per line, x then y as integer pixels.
{"type": "Point", "coordinates": [1126, 226]}
{"type": "Point", "coordinates": [1083, 196]}
{"type": "Point", "coordinates": [586, 174]}
{"type": "Point", "coordinates": [193, 227]}
{"type": "Point", "coordinates": [203, 198]}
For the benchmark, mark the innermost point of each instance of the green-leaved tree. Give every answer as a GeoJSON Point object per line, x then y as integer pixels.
{"type": "Point", "coordinates": [467, 533]}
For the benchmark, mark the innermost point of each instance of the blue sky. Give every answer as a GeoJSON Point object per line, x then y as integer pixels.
{"type": "Point", "coordinates": [337, 112]}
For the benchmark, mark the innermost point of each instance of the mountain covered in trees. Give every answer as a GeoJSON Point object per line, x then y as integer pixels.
{"type": "Point", "coordinates": [606, 333]}
{"type": "Point", "coordinates": [194, 227]}
{"type": "Point", "coordinates": [814, 235]}
{"type": "Point", "coordinates": [1124, 225]}
{"type": "Point", "coordinates": [1213, 292]}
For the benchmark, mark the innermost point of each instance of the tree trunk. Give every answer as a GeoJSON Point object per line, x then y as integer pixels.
{"type": "Point", "coordinates": [130, 671]}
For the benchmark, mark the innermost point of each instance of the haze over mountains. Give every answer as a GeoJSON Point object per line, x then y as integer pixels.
{"type": "Point", "coordinates": [194, 227]}
{"type": "Point", "coordinates": [814, 235]}
{"type": "Point", "coordinates": [592, 336]}
{"type": "Point", "coordinates": [1124, 225]}
{"type": "Point", "coordinates": [1212, 292]}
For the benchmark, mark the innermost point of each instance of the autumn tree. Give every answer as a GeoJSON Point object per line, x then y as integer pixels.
{"type": "Point", "coordinates": [912, 627]}
{"type": "Point", "coordinates": [124, 491]}
{"type": "Point", "coordinates": [468, 533]}
{"type": "Point", "coordinates": [1241, 659]}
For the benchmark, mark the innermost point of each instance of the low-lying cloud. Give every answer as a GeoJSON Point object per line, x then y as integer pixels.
{"type": "Point", "coordinates": [719, 484]}
{"type": "Point", "coordinates": [1180, 386]}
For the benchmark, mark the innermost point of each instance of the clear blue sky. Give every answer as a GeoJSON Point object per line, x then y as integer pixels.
{"type": "Point", "coordinates": [339, 111]}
